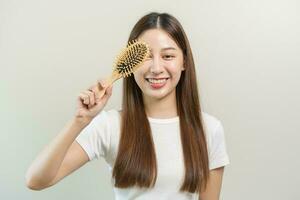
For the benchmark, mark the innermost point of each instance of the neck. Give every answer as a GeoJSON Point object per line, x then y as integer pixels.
{"type": "Point", "coordinates": [161, 108]}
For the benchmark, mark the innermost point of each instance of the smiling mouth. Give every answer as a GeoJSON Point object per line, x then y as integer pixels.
{"type": "Point", "coordinates": [157, 80]}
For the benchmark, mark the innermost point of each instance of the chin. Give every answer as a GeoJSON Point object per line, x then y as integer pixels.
{"type": "Point", "coordinates": [157, 94]}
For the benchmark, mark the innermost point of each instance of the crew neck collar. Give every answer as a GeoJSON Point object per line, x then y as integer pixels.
{"type": "Point", "coordinates": [163, 120]}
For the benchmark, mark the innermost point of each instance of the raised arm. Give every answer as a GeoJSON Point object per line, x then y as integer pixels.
{"type": "Point", "coordinates": [63, 154]}
{"type": "Point", "coordinates": [58, 159]}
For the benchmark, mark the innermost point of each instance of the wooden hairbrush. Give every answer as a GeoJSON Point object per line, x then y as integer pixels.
{"type": "Point", "coordinates": [128, 60]}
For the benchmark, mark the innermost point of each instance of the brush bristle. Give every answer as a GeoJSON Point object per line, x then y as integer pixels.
{"type": "Point", "coordinates": [131, 58]}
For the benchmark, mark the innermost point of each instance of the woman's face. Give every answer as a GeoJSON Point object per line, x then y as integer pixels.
{"type": "Point", "coordinates": [160, 73]}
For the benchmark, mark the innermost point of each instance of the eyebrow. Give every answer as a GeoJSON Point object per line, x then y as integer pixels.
{"type": "Point", "coordinates": [165, 49]}
{"type": "Point", "coordinates": [168, 48]}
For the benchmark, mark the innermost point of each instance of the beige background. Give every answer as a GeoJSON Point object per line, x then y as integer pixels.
{"type": "Point", "coordinates": [248, 65]}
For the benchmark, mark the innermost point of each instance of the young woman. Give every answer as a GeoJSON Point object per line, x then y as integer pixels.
{"type": "Point", "coordinates": [160, 145]}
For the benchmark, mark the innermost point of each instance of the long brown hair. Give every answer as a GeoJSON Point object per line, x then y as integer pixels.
{"type": "Point", "coordinates": [135, 164]}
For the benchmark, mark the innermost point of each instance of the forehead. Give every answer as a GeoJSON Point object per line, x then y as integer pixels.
{"type": "Point", "coordinates": [158, 39]}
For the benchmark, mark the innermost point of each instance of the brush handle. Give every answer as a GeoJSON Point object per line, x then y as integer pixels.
{"type": "Point", "coordinates": [113, 77]}
{"type": "Point", "coordinates": [108, 82]}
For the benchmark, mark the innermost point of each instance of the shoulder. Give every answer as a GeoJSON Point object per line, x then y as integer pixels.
{"type": "Point", "coordinates": [108, 115]}
{"type": "Point", "coordinates": [106, 119]}
{"type": "Point", "coordinates": [213, 128]}
{"type": "Point", "coordinates": [210, 122]}
{"type": "Point", "coordinates": [114, 113]}
{"type": "Point", "coordinates": [216, 143]}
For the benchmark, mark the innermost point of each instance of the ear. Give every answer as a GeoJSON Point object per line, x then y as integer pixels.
{"type": "Point", "coordinates": [183, 65]}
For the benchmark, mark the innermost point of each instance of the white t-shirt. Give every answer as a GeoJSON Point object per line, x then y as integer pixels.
{"type": "Point", "coordinates": [101, 138]}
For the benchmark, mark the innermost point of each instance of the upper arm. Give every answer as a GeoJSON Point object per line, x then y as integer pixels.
{"type": "Point", "coordinates": [74, 159]}
{"type": "Point", "coordinates": [213, 188]}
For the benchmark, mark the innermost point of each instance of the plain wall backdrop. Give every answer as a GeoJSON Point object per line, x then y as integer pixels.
{"type": "Point", "coordinates": [247, 54]}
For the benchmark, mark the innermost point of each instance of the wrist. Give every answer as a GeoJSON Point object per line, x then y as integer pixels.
{"type": "Point", "coordinates": [81, 121]}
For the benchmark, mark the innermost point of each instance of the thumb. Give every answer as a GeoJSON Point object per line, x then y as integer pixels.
{"type": "Point", "coordinates": [102, 84]}
{"type": "Point", "coordinates": [109, 90]}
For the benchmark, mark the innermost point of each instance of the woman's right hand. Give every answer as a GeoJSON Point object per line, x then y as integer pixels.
{"type": "Point", "coordinates": [90, 102]}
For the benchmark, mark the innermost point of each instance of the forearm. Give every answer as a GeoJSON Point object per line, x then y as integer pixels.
{"type": "Point", "coordinates": [207, 197]}
{"type": "Point", "coordinates": [214, 185]}
{"type": "Point", "coordinates": [47, 163]}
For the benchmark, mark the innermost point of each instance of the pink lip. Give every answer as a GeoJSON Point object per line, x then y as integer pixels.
{"type": "Point", "coordinates": [157, 78]}
{"type": "Point", "coordinates": [157, 85]}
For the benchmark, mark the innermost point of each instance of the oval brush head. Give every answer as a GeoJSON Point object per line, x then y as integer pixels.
{"type": "Point", "coordinates": [129, 59]}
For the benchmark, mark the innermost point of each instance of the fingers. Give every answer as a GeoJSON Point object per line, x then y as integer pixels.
{"type": "Point", "coordinates": [91, 95]}
{"type": "Point", "coordinates": [101, 84]}
{"type": "Point", "coordinates": [85, 98]}
{"type": "Point", "coordinates": [88, 97]}
{"type": "Point", "coordinates": [104, 99]}
{"type": "Point", "coordinates": [96, 94]}
{"type": "Point", "coordinates": [108, 90]}
{"type": "Point", "coordinates": [100, 89]}
{"type": "Point", "coordinates": [105, 94]}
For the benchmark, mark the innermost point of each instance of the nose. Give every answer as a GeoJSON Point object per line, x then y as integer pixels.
{"type": "Point", "coordinates": [156, 66]}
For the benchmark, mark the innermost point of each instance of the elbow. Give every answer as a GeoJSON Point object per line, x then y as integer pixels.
{"type": "Point", "coordinates": [34, 184]}
{"type": "Point", "coordinates": [33, 187]}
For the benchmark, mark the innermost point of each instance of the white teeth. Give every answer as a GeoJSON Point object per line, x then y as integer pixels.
{"type": "Point", "coordinates": [151, 80]}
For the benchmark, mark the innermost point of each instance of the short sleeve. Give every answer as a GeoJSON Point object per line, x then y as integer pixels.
{"type": "Point", "coordinates": [95, 137]}
{"type": "Point", "coordinates": [218, 156]}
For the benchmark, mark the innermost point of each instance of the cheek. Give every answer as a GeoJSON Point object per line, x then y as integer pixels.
{"type": "Point", "coordinates": [138, 77]}
{"type": "Point", "coordinates": [140, 72]}
{"type": "Point", "coordinates": [175, 70]}
{"type": "Point", "coordinates": [176, 78]}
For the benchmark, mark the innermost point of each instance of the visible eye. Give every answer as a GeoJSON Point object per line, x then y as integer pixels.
{"type": "Point", "coordinates": [168, 57]}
